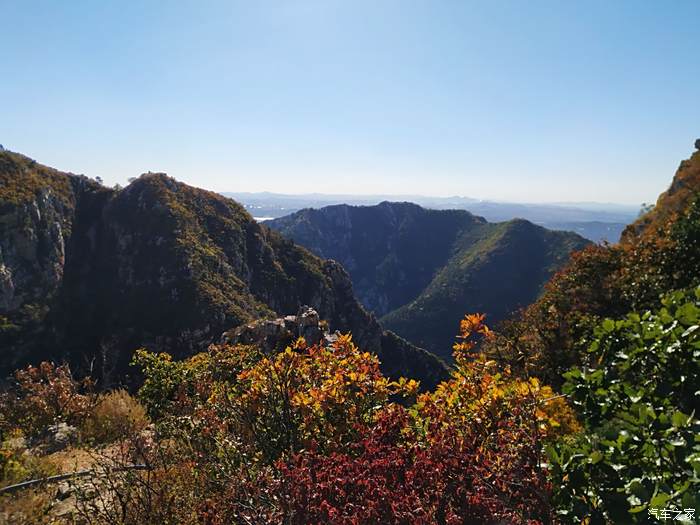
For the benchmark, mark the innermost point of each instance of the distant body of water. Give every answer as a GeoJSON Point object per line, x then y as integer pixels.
{"type": "Point", "coordinates": [261, 219]}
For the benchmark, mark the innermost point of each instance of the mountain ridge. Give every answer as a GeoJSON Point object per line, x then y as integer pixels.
{"type": "Point", "coordinates": [683, 189]}
{"type": "Point", "coordinates": [596, 221]}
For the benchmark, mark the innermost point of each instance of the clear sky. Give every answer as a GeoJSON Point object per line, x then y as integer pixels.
{"type": "Point", "coordinates": [524, 101]}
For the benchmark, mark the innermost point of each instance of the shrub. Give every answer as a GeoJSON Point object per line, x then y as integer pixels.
{"type": "Point", "coordinates": [312, 435]}
{"type": "Point", "coordinates": [482, 394]}
{"type": "Point", "coordinates": [390, 477]}
{"type": "Point", "coordinates": [30, 507]}
{"type": "Point", "coordinates": [468, 453]}
{"type": "Point", "coordinates": [638, 395]}
{"type": "Point", "coordinates": [162, 378]}
{"type": "Point", "coordinates": [166, 492]}
{"type": "Point", "coordinates": [116, 415]}
{"type": "Point", "coordinates": [17, 465]}
{"type": "Point", "coordinates": [46, 395]}
{"type": "Point", "coordinates": [311, 397]}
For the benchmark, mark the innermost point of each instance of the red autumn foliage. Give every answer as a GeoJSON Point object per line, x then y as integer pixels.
{"type": "Point", "coordinates": [45, 395]}
{"type": "Point", "coordinates": [387, 477]}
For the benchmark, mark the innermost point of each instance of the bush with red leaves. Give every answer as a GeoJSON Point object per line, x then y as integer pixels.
{"type": "Point", "coordinates": [44, 395]}
{"type": "Point", "coordinates": [388, 477]}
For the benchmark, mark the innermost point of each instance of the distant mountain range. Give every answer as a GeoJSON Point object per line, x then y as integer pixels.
{"type": "Point", "coordinates": [88, 274]}
{"type": "Point", "coordinates": [595, 221]}
{"type": "Point", "coordinates": [421, 270]}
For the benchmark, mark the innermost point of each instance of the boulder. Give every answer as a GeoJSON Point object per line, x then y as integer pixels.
{"type": "Point", "coordinates": [57, 437]}
{"type": "Point", "coordinates": [276, 334]}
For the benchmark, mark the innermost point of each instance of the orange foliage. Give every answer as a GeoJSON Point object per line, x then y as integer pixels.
{"type": "Point", "coordinates": [46, 395]}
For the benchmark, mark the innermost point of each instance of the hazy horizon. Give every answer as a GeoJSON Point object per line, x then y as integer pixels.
{"type": "Point", "coordinates": [433, 196]}
{"type": "Point", "coordinates": [515, 102]}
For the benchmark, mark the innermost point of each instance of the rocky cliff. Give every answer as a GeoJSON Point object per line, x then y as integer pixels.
{"type": "Point", "coordinates": [88, 273]}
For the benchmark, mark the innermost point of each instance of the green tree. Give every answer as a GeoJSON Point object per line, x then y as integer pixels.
{"type": "Point", "coordinates": [638, 396]}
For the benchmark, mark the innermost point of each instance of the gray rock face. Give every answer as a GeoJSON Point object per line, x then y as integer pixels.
{"type": "Point", "coordinates": [58, 437]}
{"type": "Point", "coordinates": [275, 335]}
{"type": "Point", "coordinates": [32, 249]}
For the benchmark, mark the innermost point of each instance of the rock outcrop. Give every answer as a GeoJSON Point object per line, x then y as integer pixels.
{"type": "Point", "coordinates": [274, 335]}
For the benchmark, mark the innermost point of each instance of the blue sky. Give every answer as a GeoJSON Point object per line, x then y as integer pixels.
{"type": "Point", "coordinates": [522, 101]}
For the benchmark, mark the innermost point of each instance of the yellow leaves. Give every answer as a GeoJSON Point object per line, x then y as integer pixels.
{"type": "Point", "coordinates": [411, 387]}
{"type": "Point", "coordinates": [317, 393]}
{"type": "Point", "coordinates": [302, 399]}
{"type": "Point", "coordinates": [469, 327]}
{"type": "Point", "coordinates": [404, 387]}
{"type": "Point", "coordinates": [474, 324]}
{"type": "Point", "coordinates": [463, 347]}
{"type": "Point", "coordinates": [299, 345]}
{"type": "Point", "coordinates": [344, 340]}
{"type": "Point", "coordinates": [555, 413]}
{"type": "Point", "coordinates": [482, 393]}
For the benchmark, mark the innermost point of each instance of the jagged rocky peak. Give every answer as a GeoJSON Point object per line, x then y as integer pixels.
{"type": "Point", "coordinates": [274, 335]}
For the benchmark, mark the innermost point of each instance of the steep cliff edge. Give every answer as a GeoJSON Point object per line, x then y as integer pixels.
{"type": "Point", "coordinates": [89, 273]}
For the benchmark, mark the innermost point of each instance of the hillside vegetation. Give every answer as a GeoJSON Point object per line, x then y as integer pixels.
{"type": "Point", "coordinates": [659, 253]}
{"type": "Point", "coordinates": [617, 329]}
